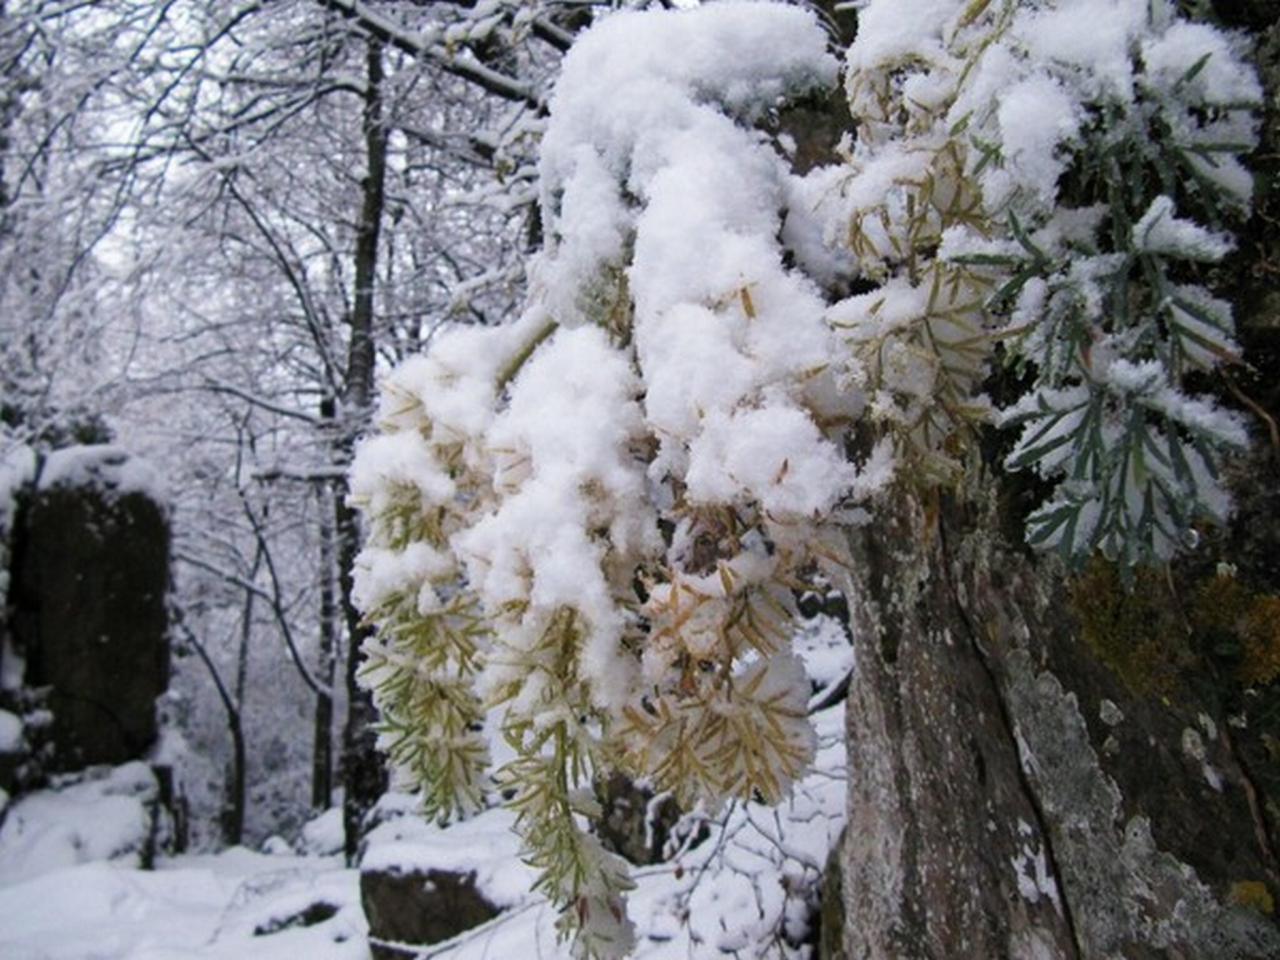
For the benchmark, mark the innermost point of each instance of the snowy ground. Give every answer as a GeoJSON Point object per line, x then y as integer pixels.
{"type": "Point", "coordinates": [748, 889]}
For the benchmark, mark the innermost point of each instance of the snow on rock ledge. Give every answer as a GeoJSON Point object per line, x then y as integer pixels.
{"type": "Point", "coordinates": [104, 467]}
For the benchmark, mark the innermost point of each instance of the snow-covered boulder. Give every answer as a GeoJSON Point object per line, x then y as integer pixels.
{"type": "Point", "coordinates": [421, 883]}
{"type": "Point", "coordinates": [322, 836]}
{"type": "Point", "coordinates": [419, 907]}
{"type": "Point", "coordinates": [104, 814]}
{"type": "Point", "coordinates": [88, 594]}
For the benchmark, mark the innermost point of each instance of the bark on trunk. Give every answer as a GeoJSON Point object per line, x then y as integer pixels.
{"type": "Point", "coordinates": [1011, 795]}
{"type": "Point", "coordinates": [322, 750]}
{"type": "Point", "coordinates": [944, 830]}
{"type": "Point", "coordinates": [364, 776]}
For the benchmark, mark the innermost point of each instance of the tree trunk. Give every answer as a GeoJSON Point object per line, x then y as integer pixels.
{"type": "Point", "coordinates": [1011, 795]}
{"type": "Point", "coordinates": [238, 781]}
{"type": "Point", "coordinates": [322, 752]}
{"type": "Point", "coordinates": [364, 776]}
{"type": "Point", "coordinates": [232, 815]}
{"type": "Point", "coordinates": [363, 773]}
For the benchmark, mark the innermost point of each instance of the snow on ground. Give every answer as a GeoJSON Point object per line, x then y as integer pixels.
{"type": "Point", "coordinates": [192, 907]}
{"type": "Point", "coordinates": [103, 817]}
{"type": "Point", "coordinates": [743, 888]}
{"type": "Point", "coordinates": [70, 887]}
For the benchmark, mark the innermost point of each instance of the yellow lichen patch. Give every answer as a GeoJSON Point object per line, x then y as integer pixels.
{"type": "Point", "coordinates": [1260, 633]}
{"type": "Point", "coordinates": [1218, 605]}
{"type": "Point", "coordinates": [1226, 610]}
{"type": "Point", "coordinates": [1130, 629]}
{"type": "Point", "coordinates": [1253, 894]}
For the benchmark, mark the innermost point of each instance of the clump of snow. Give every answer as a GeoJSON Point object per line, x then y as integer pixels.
{"type": "Point", "coordinates": [11, 739]}
{"type": "Point", "coordinates": [1198, 56]}
{"type": "Point", "coordinates": [1035, 115]}
{"type": "Point", "coordinates": [277, 846]}
{"type": "Point", "coordinates": [774, 455]}
{"type": "Point", "coordinates": [103, 817]}
{"type": "Point", "coordinates": [677, 84]}
{"type": "Point", "coordinates": [1093, 39]}
{"type": "Point", "coordinates": [565, 437]}
{"type": "Point", "coordinates": [1160, 231]}
{"type": "Point", "coordinates": [697, 199]}
{"type": "Point", "coordinates": [323, 835]}
{"type": "Point", "coordinates": [105, 467]}
{"type": "Point", "coordinates": [903, 32]}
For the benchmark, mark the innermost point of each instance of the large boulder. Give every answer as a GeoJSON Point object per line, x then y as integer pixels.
{"type": "Point", "coordinates": [103, 813]}
{"type": "Point", "coordinates": [88, 600]}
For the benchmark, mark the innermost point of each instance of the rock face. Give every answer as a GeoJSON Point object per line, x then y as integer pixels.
{"type": "Point", "coordinates": [1016, 794]}
{"type": "Point", "coordinates": [90, 577]}
{"type": "Point", "coordinates": [419, 907]}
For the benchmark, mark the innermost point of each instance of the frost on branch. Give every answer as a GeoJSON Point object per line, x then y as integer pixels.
{"type": "Point", "coordinates": [586, 527]}
{"type": "Point", "coordinates": [1053, 175]}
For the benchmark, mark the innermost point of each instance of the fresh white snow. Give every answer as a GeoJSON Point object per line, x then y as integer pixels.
{"type": "Point", "coordinates": [105, 466]}
{"type": "Point", "coordinates": [749, 886]}
{"type": "Point", "coordinates": [104, 817]}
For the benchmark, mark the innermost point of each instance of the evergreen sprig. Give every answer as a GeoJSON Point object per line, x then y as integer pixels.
{"type": "Point", "coordinates": [1120, 317]}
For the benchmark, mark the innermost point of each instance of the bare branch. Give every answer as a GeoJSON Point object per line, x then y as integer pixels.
{"type": "Point", "coordinates": [392, 34]}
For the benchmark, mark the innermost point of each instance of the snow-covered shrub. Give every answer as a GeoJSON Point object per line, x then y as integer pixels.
{"type": "Point", "coordinates": [587, 527]}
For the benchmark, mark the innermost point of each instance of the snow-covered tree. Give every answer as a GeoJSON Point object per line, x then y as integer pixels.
{"type": "Point", "coordinates": [311, 203]}
{"type": "Point", "coordinates": [229, 215]}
